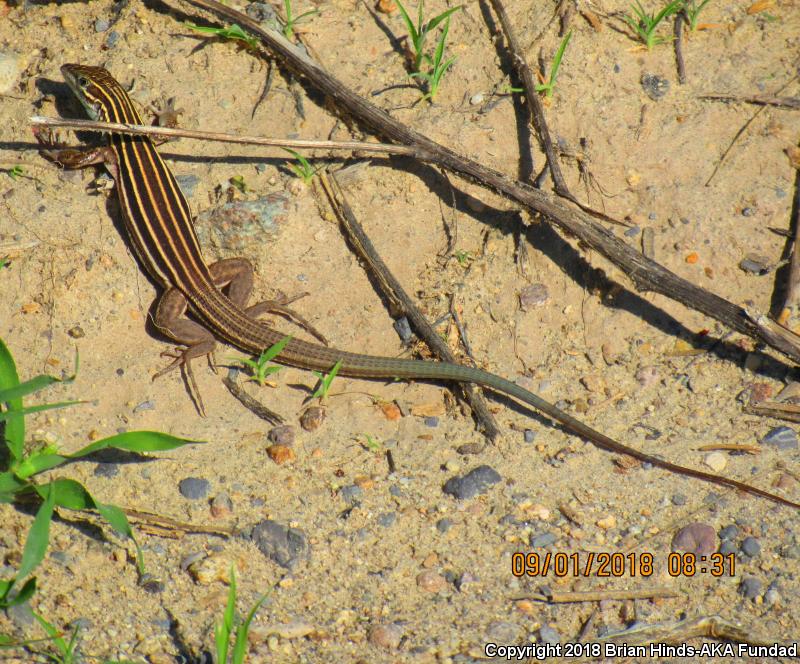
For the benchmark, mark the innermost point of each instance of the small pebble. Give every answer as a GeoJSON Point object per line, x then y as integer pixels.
{"type": "Point", "coordinates": [112, 39]}
{"type": "Point", "coordinates": [312, 418]}
{"type": "Point", "coordinates": [727, 547]}
{"type": "Point", "coordinates": [194, 488]}
{"type": "Point", "coordinates": [431, 581]}
{"type": "Point", "coordinates": [678, 499]}
{"type": "Point", "coordinates": [748, 212]}
{"type": "Point", "coordinates": [286, 546]}
{"type": "Point", "coordinates": [654, 86]}
{"type": "Point", "coordinates": [750, 546]}
{"type": "Point", "coordinates": [755, 264]}
{"type": "Point", "coordinates": [475, 482]}
{"type": "Point", "coordinates": [607, 522]}
{"type": "Point", "coordinates": [281, 454]}
{"type": "Point", "coordinates": [101, 25]}
{"type": "Point", "coordinates": [443, 525]}
{"type": "Point", "coordinates": [387, 6]}
{"type": "Point", "coordinates": [76, 332]}
{"type": "Point", "coordinates": [504, 632]}
{"type": "Point", "coordinates": [697, 538]}
{"type": "Point", "coordinates": [549, 635]}
{"type": "Point", "coordinates": [470, 448]}
{"type": "Point", "coordinates": [633, 231]}
{"type": "Point", "coordinates": [282, 435]}
{"type": "Point", "coordinates": [351, 493]}
{"type": "Point", "coordinates": [716, 461]}
{"type": "Point", "coordinates": [387, 637]}
{"type": "Point", "coordinates": [729, 532]}
{"type": "Point", "coordinates": [750, 587]}
{"type": "Point", "coordinates": [529, 436]}
{"type": "Point", "coordinates": [431, 421]}
{"type": "Point", "coordinates": [773, 596]}
{"type": "Point", "coordinates": [533, 296]}
{"type": "Point", "coordinates": [104, 469]}
{"type": "Point", "coordinates": [387, 519]}
{"type": "Point", "coordinates": [221, 505]}
{"type": "Point", "coordinates": [476, 99]}
{"type": "Point", "coordinates": [543, 540]}
{"type": "Point", "coordinates": [210, 569]}
{"type": "Point", "coordinates": [145, 405]}
{"type": "Point", "coordinates": [782, 438]}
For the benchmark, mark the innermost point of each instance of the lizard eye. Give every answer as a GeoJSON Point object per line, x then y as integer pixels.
{"type": "Point", "coordinates": [83, 81]}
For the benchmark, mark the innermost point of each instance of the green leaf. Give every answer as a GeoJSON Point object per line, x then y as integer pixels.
{"type": "Point", "coordinates": [10, 483]}
{"type": "Point", "coordinates": [116, 518]}
{"type": "Point", "coordinates": [70, 494]}
{"type": "Point", "coordinates": [28, 387]}
{"type": "Point", "coordinates": [274, 350]}
{"type": "Point", "coordinates": [7, 415]}
{"type": "Point", "coordinates": [24, 594]}
{"type": "Point", "coordinates": [240, 647]}
{"type": "Point", "coordinates": [39, 534]}
{"type": "Point", "coordinates": [37, 463]}
{"type": "Point", "coordinates": [15, 425]}
{"type": "Point", "coordinates": [136, 441]}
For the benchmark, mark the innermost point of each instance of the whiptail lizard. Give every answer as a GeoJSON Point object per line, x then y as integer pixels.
{"type": "Point", "coordinates": [160, 228]}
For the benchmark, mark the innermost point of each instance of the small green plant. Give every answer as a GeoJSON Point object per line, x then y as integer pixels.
{"type": "Point", "coordinates": [291, 21]}
{"type": "Point", "coordinates": [302, 169]}
{"type": "Point", "coordinates": [418, 33]}
{"type": "Point", "coordinates": [548, 85]}
{"type": "Point", "coordinates": [463, 257]}
{"type": "Point", "coordinates": [260, 367]}
{"type": "Point", "coordinates": [15, 172]}
{"type": "Point", "coordinates": [692, 11]}
{"type": "Point", "coordinates": [325, 381]}
{"type": "Point", "coordinates": [439, 66]}
{"type": "Point", "coordinates": [238, 182]}
{"type": "Point", "coordinates": [372, 445]}
{"type": "Point", "coordinates": [233, 32]}
{"type": "Point", "coordinates": [645, 25]}
{"type": "Point", "coordinates": [17, 479]}
{"type": "Point", "coordinates": [4, 262]}
{"type": "Point", "coordinates": [231, 625]}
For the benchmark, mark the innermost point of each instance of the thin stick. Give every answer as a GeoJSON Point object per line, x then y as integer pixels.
{"type": "Point", "coordinates": [678, 42]}
{"type": "Point", "coordinates": [600, 595]}
{"type": "Point", "coordinates": [173, 132]}
{"type": "Point", "coordinates": [399, 299]}
{"type": "Point", "coordinates": [793, 283]}
{"type": "Point", "coordinates": [647, 275]}
{"type": "Point", "coordinates": [762, 100]}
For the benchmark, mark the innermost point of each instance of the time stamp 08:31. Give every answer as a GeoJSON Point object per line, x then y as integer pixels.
{"type": "Point", "coordinates": [608, 564]}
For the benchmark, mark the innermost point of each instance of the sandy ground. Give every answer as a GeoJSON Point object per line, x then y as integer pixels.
{"type": "Point", "coordinates": [394, 569]}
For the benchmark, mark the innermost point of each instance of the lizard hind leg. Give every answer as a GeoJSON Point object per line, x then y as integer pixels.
{"type": "Point", "coordinates": [170, 319]}
{"type": "Point", "coordinates": [235, 275]}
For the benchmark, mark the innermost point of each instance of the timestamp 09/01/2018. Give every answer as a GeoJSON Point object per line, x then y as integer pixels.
{"type": "Point", "coordinates": [618, 564]}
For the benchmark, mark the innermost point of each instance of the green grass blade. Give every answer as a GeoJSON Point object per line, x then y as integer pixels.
{"type": "Point", "coordinates": [10, 414]}
{"type": "Point", "coordinates": [28, 387]}
{"type": "Point", "coordinates": [240, 647]}
{"type": "Point", "coordinates": [136, 441]}
{"type": "Point", "coordinates": [54, 634]}
{"type": "Point", "coordinates": [223, 630]}
{"type": "Point", "coordinates": [10, 483]}
{"type": "Point", "coordinates": [39, 534]}
{"type": "Point", "coordinates": [441, 17]}
{"type": "Point", "coordinates": [557, 58]}
{"type": "Point", "coordinates": [15, 424]}
{"type": "Point", "coordinates": [273, 351]}
{"type": "Point", "coordinates": [70, 494]}
{"type": "Point", "coordinates": [37, 463]}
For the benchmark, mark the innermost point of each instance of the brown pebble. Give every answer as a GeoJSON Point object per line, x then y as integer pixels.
{"type": "Point", "coordinates": [364, 482]}
{"type": "Point", "coordinates": [386, 6]}
{"type": "Point", "coordinates": [431, 582]}
{"type": "Point", "coordinates": [470, 448]}
{"type": "Point", "coordinates": [607, 522]}
{"type": "Point", "coordinates": [594, 383]}
{"type": "Point", "coordinates": [281, 454]}
{"type": "Point", "coordinates": [312, 418]}
{"type": "Point", "coordinates": [533, 296]}
{"type": "Point", "coordinates": [76, 332]}
{"type": "Point", "coordinates": [282, 435]}
{"type": "Point", "coordinates": [697, 538]}
{"type": "Point", "coordinates": [431, 560]}
{"type": "Point", "coordinates": [391, 411]}
{"type": "Point", "coordinates": [692, 258]}
{"type": "Point", "coordinates": [221, 505]}
{"type": "Point", "coordinates": [387, 637]}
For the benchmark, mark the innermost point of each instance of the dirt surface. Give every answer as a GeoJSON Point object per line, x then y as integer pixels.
{"type": "Point", "coordinates": [395, 569]}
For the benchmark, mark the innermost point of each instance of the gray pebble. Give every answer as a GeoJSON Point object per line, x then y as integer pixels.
{"type": "Point", "coordinates": [191, 559]}
{"type": "Point", "coordinates": [101, 25]}
{"type": "Point", "coordinates": [403, 329]}
{"type": "Point", "coordinates": [475, 482]}
{"type": "Point", "coordinates": [284, 545]}
{"type": "Point", "coordinates": [529, 436]}
{"type": "Point", "coordinates": [727, 547]}
{"type": "Point", "coordinates": [112, 39]}
{"type": "Point", "coordinates": [633, 231]}
{"type": "Point", "coordinates": [755, 264]}
{"type": "Point", "coordinates": [549, 635]}
{"type": "Point", "coordinates": [533, 295]}
{"type": "Point", "coordinates": [617, 68]}
{"type": "Point", "coordinates": [396, 491]}
{"type": "Point", "coordinates": [21, 615]}
{"type": "Point", "coordinates": [748, 212]}
{"type": "Point", "coordinates": [780, 193]}
{"type": "Point", "coordinates": [194, 488]}
{"type": "Point", "coordinates": [188, 184]}
{"type": "Point", "coordinates": [501, 631]}
{"type": "Point", "coordinates": [654, 86]}
{"type": "Point", "coordinates": [773, 595]}
{"type": "Point", "coordinates": [431, 421]}
{"type": "Point", "coordinates": [145, 405]}
{"type": "Point", "coordinates": [476, 99]}
{"type": "Point", "coordinates": [679, 499]}
{"type": "Point", "coordinates": [282, 435]}
{"type": "Point", "coordinates": [543, 540]}
{"type": "Point", "coordinates": [443, 525]}
{"type": "Point", "coordinates": [351, 493]}
{"type": "Point", "coordinates": [729, 532]}
{"type": "Point", "coordinates": [261, 11]}
{"type": "Point", "coordinates": [750, 546]}
{"type": "Point", "coordinates": [470, 448]}
{"type": "Point", "coordinates": [151, 584]}
{"type": "Point", "coordinates": [387, 519]}
{"type": "Point", "coordinates": [104, 469]}
{"type": "Point", "coordinates": [750, 587]}
{"type": "Point", "coordinates": [783, 438]}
